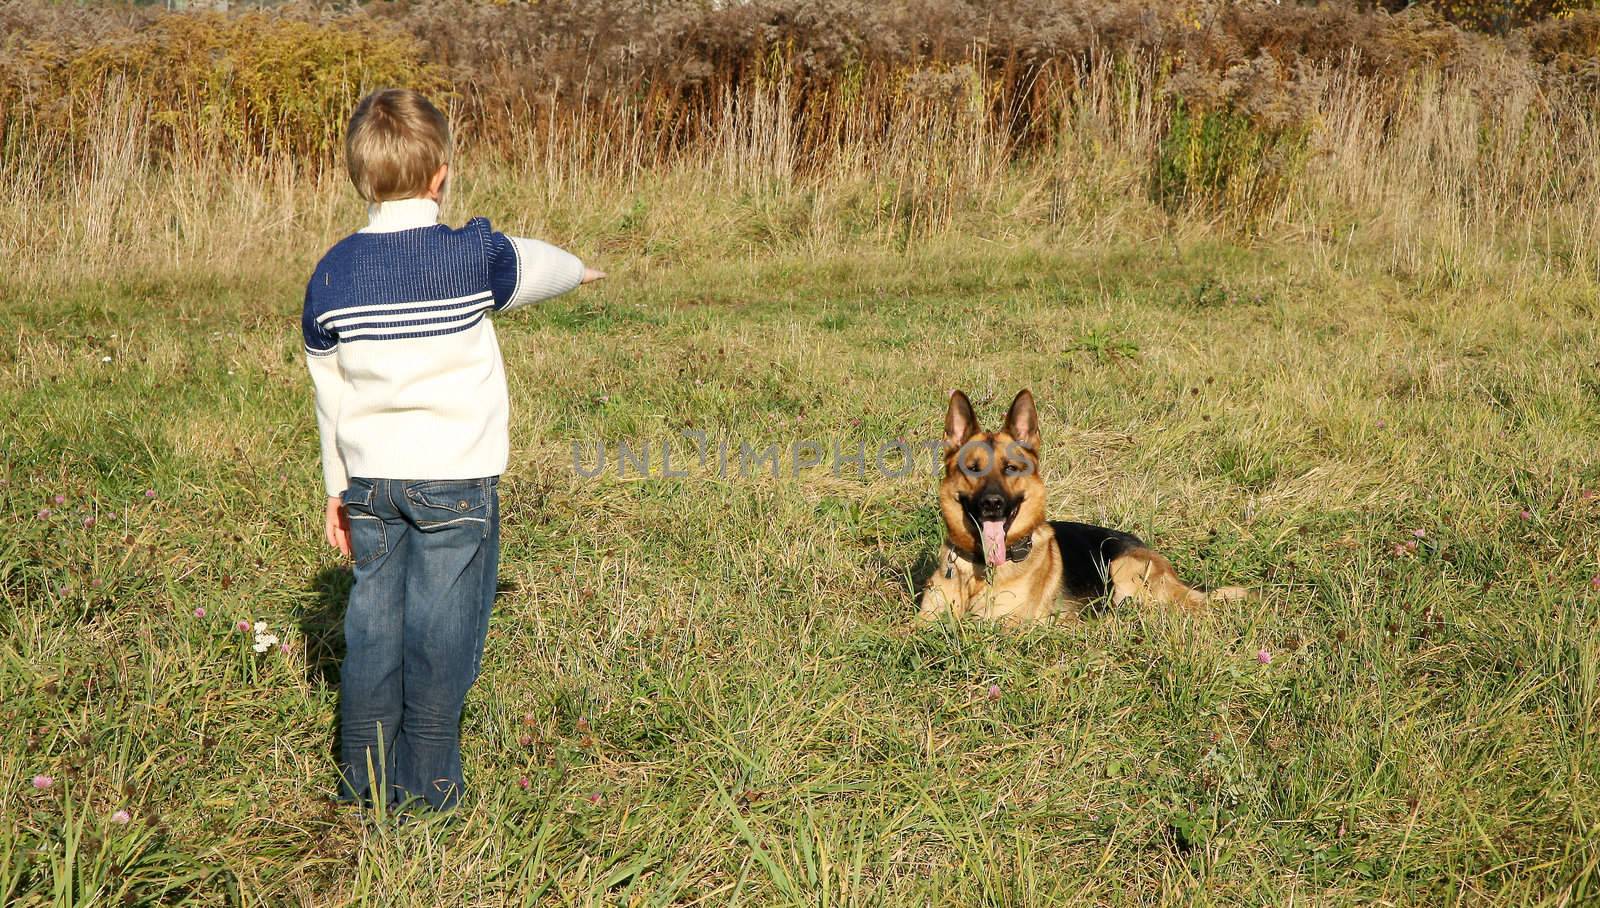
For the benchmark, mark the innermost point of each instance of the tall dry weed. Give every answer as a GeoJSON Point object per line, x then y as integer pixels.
{"type": "Point", "coordinates": [167, 137]}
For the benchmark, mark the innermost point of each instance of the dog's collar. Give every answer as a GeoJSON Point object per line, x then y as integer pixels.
{"type": "Point", "coordinates": [1017, 551]}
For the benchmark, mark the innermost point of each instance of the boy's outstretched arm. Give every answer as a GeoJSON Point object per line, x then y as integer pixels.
{"type": "Point", "coordinates": [523, 271]}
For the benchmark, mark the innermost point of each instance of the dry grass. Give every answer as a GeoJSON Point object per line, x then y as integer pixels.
{"type": "Point", "coordinates": [758, 729]}
{"type": "Point", "coordinates": [1276, 349]}
{"type": "Point", "coordinates": [795, 127]}
{"type": "Point", "coordinates": [1447, 185]}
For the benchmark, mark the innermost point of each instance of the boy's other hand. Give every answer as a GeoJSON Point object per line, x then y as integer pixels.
{"type": "Point", "coordinates": [336, 528]}
{"type": "Point", "coordinates": [590, 275]}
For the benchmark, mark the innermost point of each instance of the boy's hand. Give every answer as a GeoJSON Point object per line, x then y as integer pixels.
{"type": "Point", "coordinates": [336, 528]}
{"type": "Point", "coordinates": [590, 275]}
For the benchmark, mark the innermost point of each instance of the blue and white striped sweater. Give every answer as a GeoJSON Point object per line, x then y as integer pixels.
{"type": "Point", "coordinates": [390, 321]}
{"type": "Point", "coordinates": [429, 400]}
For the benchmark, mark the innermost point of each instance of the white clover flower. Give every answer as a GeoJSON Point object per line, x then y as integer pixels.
{"type": "Point", "coordinates": [261, 627]}
{"type": "Point", "coordinates": [259, 647]}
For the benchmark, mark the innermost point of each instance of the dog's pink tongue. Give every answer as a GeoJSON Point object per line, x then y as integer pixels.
{"type": "Point", "coordinates": [994, 541]}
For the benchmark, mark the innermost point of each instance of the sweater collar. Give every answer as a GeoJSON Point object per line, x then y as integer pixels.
{"type": "Point", "coordinates": [401, 214]}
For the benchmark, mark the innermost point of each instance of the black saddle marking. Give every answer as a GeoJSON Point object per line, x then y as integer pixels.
{"type": "Point", "coordinates": [1086, 555]}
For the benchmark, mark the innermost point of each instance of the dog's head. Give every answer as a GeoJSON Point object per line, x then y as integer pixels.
{"type": "Point", "coordinates": [992, 493]}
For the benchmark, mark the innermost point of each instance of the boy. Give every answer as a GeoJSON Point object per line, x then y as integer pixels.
{"type": "Point", "coordinates": [411, 405]}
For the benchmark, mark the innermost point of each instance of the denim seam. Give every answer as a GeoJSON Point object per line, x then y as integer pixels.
{"type": "Point", "coordinates": [488, 504]}
{"type": "Point", "coordinates": [442, 523]}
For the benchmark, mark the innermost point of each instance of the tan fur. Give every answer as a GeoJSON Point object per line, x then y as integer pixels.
{"type": "Point", "coordinates": [1015, 593]}
{"type": "Point", "coordinates": [1018, 593]}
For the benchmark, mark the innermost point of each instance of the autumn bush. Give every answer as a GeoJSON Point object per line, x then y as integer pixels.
{"type": "Point", "coordinates": [1500, 15]}
{"type": "Point", "coordinates": [914, 111]}
{"type": "Point", "coordinates": [281, 81]}
{"type": "Point", "coordinates": [258, 84]}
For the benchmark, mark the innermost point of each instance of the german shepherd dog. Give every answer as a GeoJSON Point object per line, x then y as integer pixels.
{"type": "Point", "coordinates": [1002, 560]}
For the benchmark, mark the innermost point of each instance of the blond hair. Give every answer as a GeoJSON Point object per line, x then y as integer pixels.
{"type": "Point", "coordinates": [396, 142]}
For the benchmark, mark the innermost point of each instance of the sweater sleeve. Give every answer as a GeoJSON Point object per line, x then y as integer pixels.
{"type": "Point", "coordinates": [523, 271]}
{"type": "Point", "coordinates": [322, 348]}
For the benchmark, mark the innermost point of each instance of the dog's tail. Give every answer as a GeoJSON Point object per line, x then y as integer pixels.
{"type": "Point", "coordinates": [1196, 598]}
{"type": "Point", "coordinates": [1222, 594]}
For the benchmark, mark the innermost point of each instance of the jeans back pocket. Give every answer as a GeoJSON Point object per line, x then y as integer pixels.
{"type": "Point", "coordinates": [440, 503]}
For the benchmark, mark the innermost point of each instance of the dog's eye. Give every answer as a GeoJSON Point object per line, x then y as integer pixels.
{"type": "Point", "coordinates": [1015, 469]}
{"type": "Point", "coordinates": [974, 468]}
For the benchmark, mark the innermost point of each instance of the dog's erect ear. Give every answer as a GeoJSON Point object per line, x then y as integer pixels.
{"type": "Point", "coordinates": [1022, 421]}
{"type": "Point", "coordinates": [959, 422]}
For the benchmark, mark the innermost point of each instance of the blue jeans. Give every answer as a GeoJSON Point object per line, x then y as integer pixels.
{"type": "Point", "coordinates": [426, 556]}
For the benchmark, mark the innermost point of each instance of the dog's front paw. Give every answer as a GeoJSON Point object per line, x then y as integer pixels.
{"type": "Point", "coordinates": [907, 630]}
{"type": "Point", "coordinates": [935, 608]}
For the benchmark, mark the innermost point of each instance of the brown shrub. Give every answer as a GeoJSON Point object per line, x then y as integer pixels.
{"type": "Point", "coordinates": [281, 81]}
{"type": "Point", "coordinates": [1567, 49]}
{"type": "Point", "coordinates": [1220, 98]}
{"type": "Point", "coordinates": [248, 86]}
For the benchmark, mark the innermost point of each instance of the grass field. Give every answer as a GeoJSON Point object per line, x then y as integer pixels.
{"type": "Point", "coordinates": [702, 689]}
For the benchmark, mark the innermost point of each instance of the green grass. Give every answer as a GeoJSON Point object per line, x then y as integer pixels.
{"type": "Point", "coordinates": [759, 726]}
